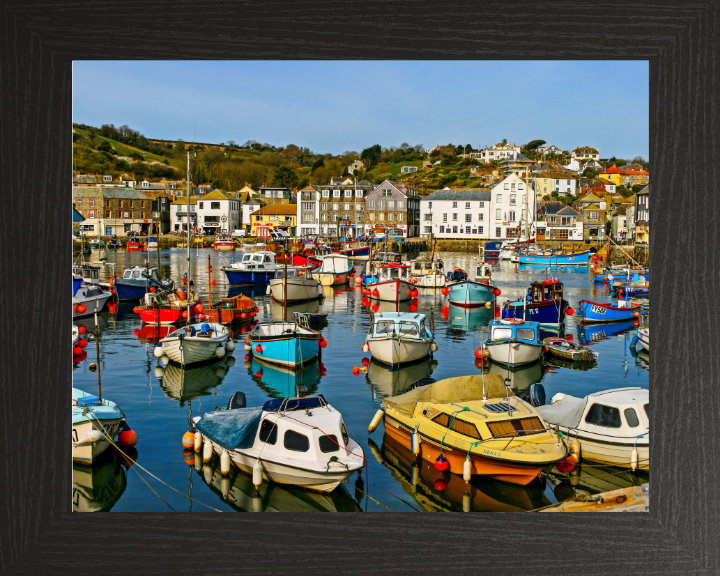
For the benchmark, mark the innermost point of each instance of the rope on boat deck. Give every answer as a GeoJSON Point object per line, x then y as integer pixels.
{"type": "Point", "coordinates": [449, 427]}
{"type": "Point", "coordinates": [112, 442]}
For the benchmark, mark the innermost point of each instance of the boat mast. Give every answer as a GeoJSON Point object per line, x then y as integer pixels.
{"type": "Point", "coordinates": [285, 295]}
{"type": "Point", "coordinates": [210, 287]}
{"type": "Point", "coordinates": [157, 231]}
{"type": "Point", "coordinates": [527, 201]}
{"type": "Point", "coordinates": [188, 236]}
{"type": "Point", "coordinates": [97, 352]}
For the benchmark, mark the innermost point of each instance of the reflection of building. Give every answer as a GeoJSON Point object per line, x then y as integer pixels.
{"type": "Point", "coordinates": [109, 211]}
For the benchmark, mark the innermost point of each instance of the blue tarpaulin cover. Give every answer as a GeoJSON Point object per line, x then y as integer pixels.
{"type": "Point", "coordinates": [231, 428]}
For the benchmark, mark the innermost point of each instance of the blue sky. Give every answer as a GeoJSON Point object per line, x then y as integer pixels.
{"type": "Point", "coordinates": [335, 106]}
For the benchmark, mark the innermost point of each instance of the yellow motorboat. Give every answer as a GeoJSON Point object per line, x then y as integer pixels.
{"type": "Point", "coordinates": [472, 425]}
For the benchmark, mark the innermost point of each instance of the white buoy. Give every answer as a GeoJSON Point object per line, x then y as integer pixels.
{"type": "Point", "coordinates": [415, 474]}
{"type": "Point", "coordinates": [229, 345]}
{"type": "Point", "coordinates": [268, 289]}
{"type": "Point", "coordinates": [164, 360]}
{"type": "Point", "coordinates": [575, 450]}
{"type": "Point", "coordinates": [257, 474]}
{"type": "Point", "coordinates": [467, 470]}
{"type": "Point", "coordinates": [366, 347]}
{"type": "Point", "coordinates": [230, 362]}
{"type": "Point", "coordinates": [248, 348]}
{"type": "Point", "coordinates": [158, 352]}
{"type": "Point", "coordinates": [225, 487]}
{"type": "Point", "coordinates": [208, 474]}
{"type": "Point", "coordinates": [219, 351]}
{"type": "Point", "coordinates": [416, 442]}
{"type": "Point", "coordinates": [225, 463]}
{"type": "Point", "coordinates": [467, 501]}
{"type": "Point", "coordinates": [198, 462]}
{"type": "Point", "coordinates": [207, 451]}
{"type": "Point", "coordinates": [90, 438]}
{"type": "Point", "coordinates": [198, 440]}
{"type": "Point", "coordinates": [376, 420]}
{"type": "Point", "coordinates": [634, 459]}
{"type": "Point", "coordinates": [434, 347]}
{"type": "Point", "coordinates": [159, 371]}
{"type": "Point", "coordinates": [488, 304]}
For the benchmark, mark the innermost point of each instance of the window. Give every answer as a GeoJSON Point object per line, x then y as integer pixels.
{"type": "Point", "coordinates": [268, 432]}
{"type": "Point", "coordinates": [323, 205]}
{"type": "Point", "coordinates": [296, 442]}
{"type": "Point", "coordinates": [328, 443]}
{"type": "Point", "coordinates": [336, 193]}
{"type": "Point", "coordinates": [526, 333]}
{"type": "Point", "coordinates": [200, 204]}
{"type": "Point", "coordinates": [92, 203]}
{"type": "Point", "coordinates": [512, 216]}
{"type": "Point", "coordinates": [428, 229]}
{"type": "Point", "coordinates": [498, 232]}
{"type": "Point", "coordinates": [399, 216]}
{"type": "Point", "coordinates": [358, 206]}
{"type": "Point", "coordinates": [372, 203]}
{"type": "Point", "coordinates": [359, 218]}
{"type": "Point", "coordinates": [506, 186]}
{"type": "Point", "coordinates": [142, 214]}
{"type": "Point", "coordinates": [214, 206]}
{"type": "Point", "coordinates": [346, 207]}
{"type": "Point", "coordinates": [513, 199]}
{"type": "Point", "coordinates": [498, 214]}
{"type": "Point", "coordinates": [348, 193]}
{"type": "Point", "coordinates": [359, 194]}
{"type": "Point", "coordinates": [92, 213]}
{"type": "Point", "coordinates": [372, 216]}
{"type": "Point", "coordinates": [482, 204]}
{"type": "Point", "coordinates": [126, 215]}
{"type": "Point", "coordinates": [79, 203]}
{"type": "Point", "coordinates": [442, 229]}
{"type": "Point", "coordinates": [324, 217]}
{"type": "Point", "coordinates": [454, 215]}
{"type": "Point", "coordinates": [632, 418]}
{"type": "Point", "coordinates": [512, 186]}
{"type": "Point", "coordinates": [108, 203]}
{"type": "Point", "coordinates": [498, 199]}
{"type": "Point", "coordinates": [480, 229]}
{"type": "Point", "coordinates": [387, 192]}
{"type": "Point", "coordinates": [326, 193]}
{"type": "Point", "coordinates": [399, 204]}
{"type": "Point", "coordinates": [391, 203]}
{"type": "Point", "coordinates": [467, 229]}
{"type": "Point", "coordinates": [108, 213]}
{"type": "Point", "coordinates": [455, 228]}
{"type": "Point", "coordinates": [468, 217]}
{"type": "Point", "coordinates": [454, 205]}
{"type": "Point", "coordinates": [444, 217]}
{"type": "Point", "coordinates": [381, 216]}
{"type": "Point", "coordinates": [381, 204]}
{"type": "Point", "coordinates": [605, 416]}
{"type": "Point", "coordinates": [308, 205]}
{"type": "Point", "coordinates": [594, 215]}
{"type": "Point", "coordinates": [430, 205]}
{"type": "Point", "coordinates": [646, 407]}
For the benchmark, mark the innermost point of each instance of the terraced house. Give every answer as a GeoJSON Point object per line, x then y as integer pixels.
{"type": "Point", "coordinates": [555, 221]}
{"type": "Point", "coordinates": [340, 208]}
{"type": "Point", "coordinates": [593, 210]}
{"type": "Point", "coordinates": [394, 207]}
{"type": "Point", "coordinates": [109, 211]}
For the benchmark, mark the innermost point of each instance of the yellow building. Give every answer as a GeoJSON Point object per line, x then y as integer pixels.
{"type": "Point", "coordinates": [621, 177]}
{"type": "Point", "coordinates": [282, 216]}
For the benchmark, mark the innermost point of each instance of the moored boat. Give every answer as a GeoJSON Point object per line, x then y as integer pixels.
{"type": "Point", "coordinates": [543, 303]}
{"type": "Point", "coordinates": [334, 270]}
{"type": "Point", "coordinates": [469, 293]}
{"type": "Point", "coordinates": [236, 309]}
{"type": "Point", "coordinates": [254, 268]}
{"type": "Point", "coordinates": [94, 422]}
{"type": "Point", "coordinates": [297, 441]}
{"type": "Point", "coordinates": [566, 348]}
{"type": "Point", "coordinates": [224, 243]}
{"type": "Point", "coordinates": [608, 311]}
{"type": "Point", "coordinates": [89, 299]}
{"type": "Point", "coordinates": [427, 273]}
{"type": "Point", "coordinates": [168, 307]}
{"type": "Point", "coordinates": [285, 343]}
{"type": "Point", "coordinates": [299, 285]}
{"type": "Point", "coordinates": [397, 338]}
{"type": "Point", "coordinates": [136, 281]}
{"type": "Point", "coordinates": [514, 342]}
{"type": "Point", "coordinates": [577, 259]}
{"type": "Point", "coordinates": [195, 343]}
{"type": "Point", "coordinates": [472, 425]}
{"type": "Point", "coordinates": [643, 336]}
{"type": "Point", "coordinates": [391, 283]}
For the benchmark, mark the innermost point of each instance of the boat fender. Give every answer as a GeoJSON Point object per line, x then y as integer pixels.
{"type": "Point", "coordinates": [225, 487]}
{"type": "Point", "coordinates": [257, 474]}
{"type": "Point", "coordinates": [415, 474]}
{"type": "Point", "coordinates": [225, 463]}
{"type": "Point", "coordinates": [198, 463]}
{"type": "Point", "coordinates": [634, 459]}
{"type": "Point", "coordinates": [415, 442]}
{"type": "Point", "coordinates": [467, 501]}
{"type": "Point", "coordinates": [89, 438]}
{"type": "Point", "coordinates": [207, 451]}
{"type": "Point", "coordinates": [159, 371]}
{"type": "Point", "coordinates": [575, 449]}
{"type": "Point", "coordinates": [158, 352]}
{"type": "Point", "coordinates": [207, 474]}
{"type": "Point", "coordinates": [467, 469]}
{"type": "Point", "coordinates": [198, 441]}
{"type": "Point", "coordinates": [376, 420]}
{"type": "Point", "coordinates": [267, 290]}
{"type": "Point", "coordinates": [434, 347]}
{"type": "Point", "coordinates": [220, 351]}
{"type": "Point", "coordinates": [229, 345]}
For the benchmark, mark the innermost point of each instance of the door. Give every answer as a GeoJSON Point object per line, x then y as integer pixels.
{"type": "Point", "coordinates": [108, 230]}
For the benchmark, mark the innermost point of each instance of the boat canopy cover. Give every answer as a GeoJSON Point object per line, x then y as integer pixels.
{"type": "Point", "coordinates": [566, 412]}
{"type": "Point", "coordinates": [460, 389]}
{"type": "Point", "coordinates": [231, 428]}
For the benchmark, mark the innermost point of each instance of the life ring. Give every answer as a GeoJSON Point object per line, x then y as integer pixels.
{"type": "Point", "coordinates": [511, 321]}
{"type": "Point", "coordinates": [548, 281]}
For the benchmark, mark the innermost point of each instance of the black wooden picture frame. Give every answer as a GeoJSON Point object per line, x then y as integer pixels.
{"type": "Point", "coordinates": [38, 532]}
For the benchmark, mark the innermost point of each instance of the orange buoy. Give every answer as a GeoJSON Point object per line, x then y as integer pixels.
{"type": "Point", "coordinates": [127, 438]}
{"type": "Point", "coordinates": [199, 308]}
{"type": "Point", "coordinates": [188, 440]}
{"type": "Point", "coordinates": [184, 314]}
{"type": "Point", "coordinates": [135, 309]}
{"type": "Point", "coordinates": [82, 329]}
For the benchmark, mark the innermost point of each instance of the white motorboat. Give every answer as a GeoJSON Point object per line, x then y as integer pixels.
{"type": "Point", "coordinates": [397, 338]}
{"type": "Point", "coordinates": [643, 336]}
{"type": "Point", "coordinates": [334, 271]}
{"type": "Point", "coordinates": [613, 426]}
{"type": "Point", "coordinates": [88, 299]}
{"type": "Point", "coordinates": [94, 420]}
{"type": "Point", "coordinates": [300, 285]}
{"type": "Point", "coordinates": [514, 342]}
{"type": "Point", "coordinates": [196, 343]}
{"type": "Point", "coordinates": [483, 271]}
{"type": "Point", "coordinates": [426, 273]}
{"type": "Point", "coordinates": [297, 441]}
{"type": "Point", "coordinates": [392, 283]}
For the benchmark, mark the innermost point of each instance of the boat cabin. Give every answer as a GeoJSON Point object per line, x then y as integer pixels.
{"type": "Point", "coordinates": [624, 410]}
{"type": "Point", "coordinates": [422, 267]}
{"type": "Point", "coordinates": [90, 274]}
{"type": "Point", "coordinates": [388, 257]}
{"type": "Point", "coordinates": [400, 323]}
{"type": "Point", "coordinates": [483, 271]}
{"type": "Point", "coordinates": [392, 272]}
{"type": "Point", "coordinates": [293, 272]}
{"type": "Point", "coordinates": [262, 260]}
{"type": "Point", "coordinates": [334, 264]}
{"type": "Point", "coordinates": [545, 291]}
{"type": "Point", "coordinates": [138, 273]}
{"type": "Point", "coordinates": [515, 328]}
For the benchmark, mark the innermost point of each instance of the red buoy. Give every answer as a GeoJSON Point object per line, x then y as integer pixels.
{"type": "Point", "coordinates": [323, 343]}
{"type": "Point", "coordinates": [152, 288]}
{"type": "Point", "coordinates": [441, 463]}
{"type": "Point", "coordinates": [258, 349]}
{"type": "Point", "coordinates": [478, 353]}
{"type": "Point", "coordinates": [440, 485]}
{"type": "Point", "coordinates": [445, 310]}
{"type": "Point", "coordinates": [82, 342]}
{"type": "Point", "coordinates": [375, 292]}
{"type": "Point", "coordinates": [77, 351]}
{"type": "Point", "coordinates": [212, 283]}
{"type": "Point", "coordinates": [201, 316]}
{"type": "Point", "coordinates": [199, 308]}
{"type": "Point", "coordinates": [247, 357]}
{"type": "Point", "coordinates": [112, 291]}
{"type": "Point", "coordinates": [252, 314]}
{"type": "Point", "coordinates": [366, 361]}
{"type": "Point", "coordinates": [569, 311]}
{"type": "Point", "coordinates": [375, 308]}
{"type": "Point", "coordinates": [127, 438]}
{"type": "Point", "coordinates": [356, 370]}
{"type": "Point", "coordinates": [479, 363]}
{"type": "Point", "coordinates": [445, 291]}
{"type": "Point", "coordinates": [566, 465]}
{"type": "Point", "coordinates": [136, 332]}
{"type": "Point", "coordinates": [569, 337]}
{"type": "Point", "coordinates": [135, 309]}
{"type": "Point", "coordinates": [81, 308]}
{"type": "Point", "coordinates": [247, 340]}
{"type": "Point", "coordinates": [184, 314]}
{"type": "Point", "coordinates": [111, 282]}
{"type": "Point", "coordinates": [338, 279]}
{"type": "Point", "coordinates": [82, 329]}
{"type": "Point", "coordinates": [497, 291]}
{"type": "Point", "coordinates": [243, 315]}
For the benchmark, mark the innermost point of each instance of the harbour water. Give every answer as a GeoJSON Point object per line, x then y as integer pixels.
{"type": "Point", "coordinates": [159, 408]}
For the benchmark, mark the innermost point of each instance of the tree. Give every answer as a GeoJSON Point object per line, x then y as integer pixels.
{"type": "Point", "coordinates": [371, 156]}
{"type": "Point", "coordinates": [590, 173]}
{"type": "Point", "coordinates": [285, 176]}
{"type": "Point", "coordinates": [533, 145]}
{"type": "Point", "coordinates": [319, 163]}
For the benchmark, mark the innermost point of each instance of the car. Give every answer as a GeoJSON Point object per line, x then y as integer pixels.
{"type": "Point", "coordinates": [238, 234]}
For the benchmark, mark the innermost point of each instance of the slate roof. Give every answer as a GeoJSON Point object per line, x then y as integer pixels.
{"type": "Point", "coordinates": [109, 192]}
{"type": "Point", "coordinates": [464, 194]}
{"type": "Point", "coordinates": [555, 207]}
{"type": "Point", "coordinates": [218, 194]}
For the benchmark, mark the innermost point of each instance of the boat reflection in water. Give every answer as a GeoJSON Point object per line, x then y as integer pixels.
{"type": "Point", "coordinates": [590, 478]}
{"type": "Point", "coordinates": [194, 381]}
{"type": "Point", "coordinates": [386, 381]}
{"type": "Point", "coordinates": [386, 306]}
{"type": "Point", "coordinates": [520, 376]}
{"type": "Point", "coordinates": [280, 382]}
{"type": "Point", "coordinates": [554, 362]}
{"type": "Point", "coordinates": [98, 487]}
{"type": "Point", "coordinates": [436, 491]}
{"type": "Point", "coordinates": [589, 333]}
{"type": "Point", "coordinates": [642, 358]}
{"type": "Point", "coordinates": [148, 334]}
{"type": "Point", "coordinates": [251, 291]}
{"type": "Point", "coordinates": [238, 491]}
{"type": "Point", "coordinates": [277, 313]}
{"type": "Point", "coordinates": [467, 319]}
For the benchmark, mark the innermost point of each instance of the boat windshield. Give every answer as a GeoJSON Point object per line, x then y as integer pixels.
{"type": "Point", "coordinates": [408, 328]}
{"type": "Point", "coordinates": [526, 333]}
{"type": "Point", "coordinates": [385, 327]}
{"type": "Point", "coordinates": [500, 333]}
{"type": "Point", "coordinates": [246, 257]}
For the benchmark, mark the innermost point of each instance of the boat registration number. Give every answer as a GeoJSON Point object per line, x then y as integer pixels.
{"type": "Point", "coordinates": [598, 309]}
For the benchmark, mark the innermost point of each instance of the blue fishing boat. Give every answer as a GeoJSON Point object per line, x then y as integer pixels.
{"type": "Point", "coordinates": [543, 303]}
{"type": "Point", "coordinates": [578, 259]}
{"type": "Point", "coordinates": [469, 293]}
{"type": "Point", "coordinates": [608, 311]}
{"type": "Point", "coordinates": [284, 343]}
{"type": "Point", "coordinates": [492, 249]}
{"type": "Point", "coordinates": [253, 268]}
{"type": "Point", "coordinates": [610, 278]}
{"type": "Point", "coordinates": [514, 342]}
{"type": "Point", "coordinates": [135, 282]}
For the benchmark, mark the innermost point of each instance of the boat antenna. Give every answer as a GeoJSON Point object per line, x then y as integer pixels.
{"type": "Point", "coordinates": [97, 352]}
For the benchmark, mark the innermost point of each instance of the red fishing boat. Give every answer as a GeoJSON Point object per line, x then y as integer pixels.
{"type": "Point", "coordinates": [169, 308]}
{"type": "Point", "coordinates": [305, 258]}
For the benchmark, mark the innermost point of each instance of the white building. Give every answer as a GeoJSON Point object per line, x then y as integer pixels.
{"type": "Point", "coordinates": [585, 153]}
{"type": "Point", "coordinates": [472, 214]}
{"type": "Point", "coordinates": [549, 149]}
{"type": "Point", "coordinates": [213, 213]}
{"type": "Point", "coordinates": [248, 208]}
{"type": "Point", "coordinates": [496, 152]}
{"type": "Point", "coordinates": [308, 211]}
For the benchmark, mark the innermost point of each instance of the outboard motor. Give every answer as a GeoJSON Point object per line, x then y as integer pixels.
{"type": "Point", "coordinates": [237, 400]}
{"type": "Point", "coordinates": [536, 395]}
